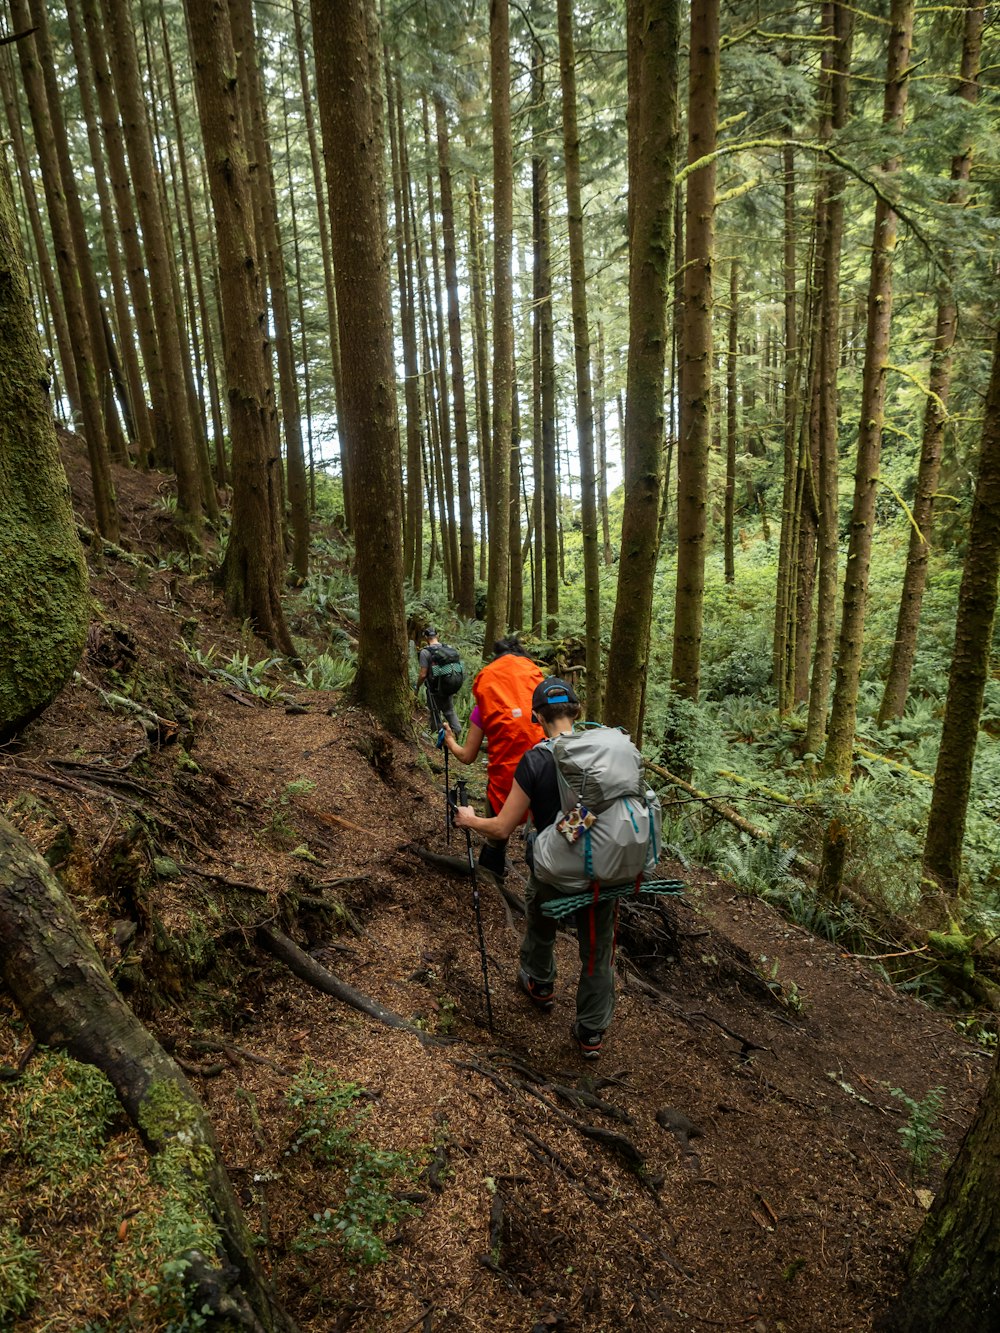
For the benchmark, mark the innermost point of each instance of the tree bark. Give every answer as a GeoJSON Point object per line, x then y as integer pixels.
{"type": "Point", "coordinates": [253, 569]}
{"type": "Point", "coordinates": [480, 342]}
{"type": "Point", "coordinates": [904, 646]}
{"type": "Point", "coordinates": [353, 146]}
{"type": "Point", "coordinates": [132, 106]}
{"type": "Point", "coordinates": [970, 663]}
{"type": "Point", "coordinates": [951, 1282]}
{"type": "Point", "coordinates": [45, 608]}
{"type": "Point", "coordinates": [498, 590]}
{"type": "Point", "coordinates": [105, 502]}
{"type": "Point", "coordinates": [838, 21]}
{"type": "Point", "coordinates": [843, 715]}
{"type": "Point", "coordinates": [696, 367]}
{"type": "Point", "coordinates": [790, 420]}
{"type": "Point", "coordinates": [654, 41]}
{"type": "Point", "coordinates": [581, 350]}
{"type": "Point", "coordinates": [57, 979]}
{"type": "Point", "coordinates": [732, 358]}
{"type": "Point", "coordinates": [466, 536]}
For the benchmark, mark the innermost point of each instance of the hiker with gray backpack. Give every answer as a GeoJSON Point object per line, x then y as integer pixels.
{"type": "Point", "coordinates": [441, 668]}
{"type": "Point", "coordinates": [596, 833]}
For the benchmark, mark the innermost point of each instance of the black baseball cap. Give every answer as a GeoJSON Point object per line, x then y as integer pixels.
{"type": "Point", "coordinates": [429, 632]}
{"type": "Point", "coordinates": [552, 691]}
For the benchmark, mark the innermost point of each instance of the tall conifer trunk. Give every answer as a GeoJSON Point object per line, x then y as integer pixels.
{"type": "Point", "coordinates": [696, 367]}
{"type": "Point", "coordinates": [346, 67]}
{"type": "Point", "coordinates": [105, 503]}
{"type": "Point", "coordinates": [840, 742]}
{"type": "Point", "coordinates": [654, 37]}
{"type": "Point", "coordinates": [498, 590]}
{"type": "Point", "coordinates": [581, 350]}
{"type": "Point", "coordinates": [935, 414]}
{"type": "Point", "coordinates": [732, 358]}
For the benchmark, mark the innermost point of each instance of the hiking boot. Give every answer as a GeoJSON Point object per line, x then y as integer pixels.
{"type": "Point", "coordinates": [587, 1043]}
{"type": "Point", "coordinates": [540, 993]}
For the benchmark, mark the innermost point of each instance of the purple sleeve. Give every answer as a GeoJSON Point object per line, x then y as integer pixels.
{"type": "Point", "coordinates": [476, 718]}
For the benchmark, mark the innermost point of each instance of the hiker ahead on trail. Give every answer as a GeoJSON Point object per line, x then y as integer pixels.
{"type": "Point", "coordinates": [502, 714]}
{"type": "Point", "coordinates": [441, 667]}
{"type": "Point", "coordinates": [597, 828]}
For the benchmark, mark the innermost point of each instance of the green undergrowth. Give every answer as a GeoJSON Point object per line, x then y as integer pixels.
{"type": "Point", "coordinates": [366, 1185]}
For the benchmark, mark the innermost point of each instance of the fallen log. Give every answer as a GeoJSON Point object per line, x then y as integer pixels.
{"type": "Point", "coordinates": [55, 975]}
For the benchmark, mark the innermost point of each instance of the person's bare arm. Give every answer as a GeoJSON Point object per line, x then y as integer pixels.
{"type": "Point", "coordinates": [499, 826]}
{"type": "Point", "coordinates": [467, 752]}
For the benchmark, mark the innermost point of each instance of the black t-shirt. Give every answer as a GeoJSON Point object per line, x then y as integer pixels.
{"type": "Point", "coordinates": [536, 775]}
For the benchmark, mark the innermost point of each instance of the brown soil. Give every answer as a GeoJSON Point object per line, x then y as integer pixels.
{"type": "Point", "coordinates": [789, 1205]}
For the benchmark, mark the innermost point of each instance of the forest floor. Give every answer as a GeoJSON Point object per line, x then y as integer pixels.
{"type": "Point", "coordinates": [747, 1169]}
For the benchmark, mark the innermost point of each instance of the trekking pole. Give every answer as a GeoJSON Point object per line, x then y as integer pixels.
{"type": "Point", "coordinates": [461, 799]}
{"type": "Point", "coordinates": [447, 787]}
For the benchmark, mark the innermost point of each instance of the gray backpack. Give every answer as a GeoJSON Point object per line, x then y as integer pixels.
{"type": "Point", "coordinates": [609, 832]}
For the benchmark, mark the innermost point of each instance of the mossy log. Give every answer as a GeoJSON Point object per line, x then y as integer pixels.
{"type": "Point", "coordinates": [56, 977]}
{"type": "Point", "coordinates": [45, 606]}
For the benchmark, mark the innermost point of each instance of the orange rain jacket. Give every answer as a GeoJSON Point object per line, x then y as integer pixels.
{"type": "Point", "coordinates": [503, 690]}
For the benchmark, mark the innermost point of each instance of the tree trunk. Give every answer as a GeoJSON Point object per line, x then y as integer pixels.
{"type": "Point", "coordinates": [480, 342]}
{"type": "Point", "coordinates": [353, 147]}
{"type": "Point", "coordinates": [141, 420]}
{"type": "Point", "coordinates": [57, 979]}
{"type": "Point", "coordinates": [46, 604]}
{"type": "Point", "coordinates": [840, 742]}
{"type": "Point", "coordinates": [602, 448]}
{"type": "Point", "coordinates": [322, 205]}
{"type": "Point", "coordinates": [135, 263]}
{"type": "Point", "coordinates": [970, 663]}
{"type": "Point", "coordinates": [654, 40]}
{"type": "Point", "coordinates": [466, 536]}
{"type": "Point", "coordinates": [498, 589]}
{"type": "Point", "coordinates": [515, 608]}
{"type": "Point", "coordinates": [951, 1284]}
{"type": "Point", "coordinates": [63, 342]}
{"type": "Point", "coordinates": [132, 105]}
{"type": "Point", "coordinates": [254, 565]}
{"type": "Point", "coordinates": [732, 356]}
{"type": "Point", "coordinates": [935, 414]}
{"type": "Point", "coordinates": [838, 21]}
{"type": "Point", "coordinates": [581, 349]}
{"type": "Point", "coordinates": [696, 367]}
{"type": "Point", "coordinates": [414, 437]}
{"type": "Point", "coordinates": [105, 503]}
{"type": "Point", "coordinates": [784, 582]}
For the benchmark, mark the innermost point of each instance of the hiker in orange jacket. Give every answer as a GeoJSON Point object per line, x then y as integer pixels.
{"type": "Point", "coordinates": [502, 714]}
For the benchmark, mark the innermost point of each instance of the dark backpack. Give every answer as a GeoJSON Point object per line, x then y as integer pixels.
{"type": "Point", "coordinates": [446, 674]}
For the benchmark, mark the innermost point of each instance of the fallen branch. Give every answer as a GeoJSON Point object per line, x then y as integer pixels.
{"type": "Point", "coordinates": [316, 975]}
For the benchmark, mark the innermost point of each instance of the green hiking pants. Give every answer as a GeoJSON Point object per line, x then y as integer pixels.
{"type": "Point", "coordinates": [595, 930]}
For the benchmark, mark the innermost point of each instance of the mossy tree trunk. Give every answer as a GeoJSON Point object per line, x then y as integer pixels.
{"type": "Point", "coordinates": [57, 979]}
{"type": "Point", "coordinates": [352, 141]}
{"type": "Point", "coordinates": [970, 663]}
{"type": "Point", "coordinates": [254, 565]}
{"type": "Point", "coordinates": [951, 1284]}
{"type": "Point", "coordinates": [45, 607]}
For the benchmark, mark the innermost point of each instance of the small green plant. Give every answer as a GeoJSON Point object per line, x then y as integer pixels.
{"type": "Point", "coordinates": [787, 992]}
{"type": "Point", "coordinates": [327, 673]}
{"type": "Point", "coordinates": [921, 1135]}
{"type": "Point", "coordinates": [330, 1131]}
{"type": "Point", "coordinates": [280, 829]}
{"type": "Point", "coordinates": [239, 671]}
{"type": "Point", "coordinates": [18, 1270]}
